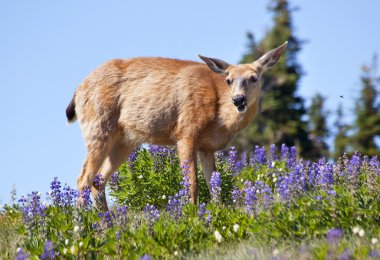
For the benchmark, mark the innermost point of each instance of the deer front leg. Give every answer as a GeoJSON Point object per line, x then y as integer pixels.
{"type": "Point", "coordinates": [187, 158]}
{"type": "Point", "coordinates": [207, 160]}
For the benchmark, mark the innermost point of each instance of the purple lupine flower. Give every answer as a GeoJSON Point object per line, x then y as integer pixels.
{"type": "Point", "coordinates": [157, 150]}
{"type": "Point", "coordinates": [49, 252]}
{"type": "Point", "coordinates": [209, 217]}
{"type": "Point", "coordinates": [292, 157]}
{"type": "Point", "coordinates": [259, 156]}
{"type": "Point", "coordinates": [178, 201]}
{"type": "Point", "coordinates": [133, 156]}
{"type": "Point", "coordinates": [151, 213]}
{"type": "Point", "coordinates": [86, 198]}
{"type": "Point", "coordinates": [69, 195]}
{"type": "Point", "coordinates": [232, 160]}
{"type": "Point", "coordinates": [284, 152]}
{"type": "Point", "coordinates": [272, 152]}
{"type": "Point", "coordinates": [264, 195]}
{"type": "Point", "coordinates": [375, 164]}
{"type": "Point", "coordinates": [33, 210]}
{"type": "Point", "coordinates": [21, 255]}
{"type": "Point", "coordinates": [146, 257]}
{"type": "Point", "coordinates": [292, 184]}
{"type": "Point", "coordinates": [204, 214]}
{"type": "Point", "coordinates": [334, 235]}
{"type": "Point", "coordinates": [115, 179]}
{"type": "Point", "coordinates": [354, 164]}
{"type": "Point", "coordinates": [132, 159]}
{"type": "Point", "coordinates": [55, 194]}
{"type": "Point", "coordinates": [122, 214]}
{"type": "Point", "coordinates": [174, 206]}
{"type": "Point", "coordinates": [374, 254]}
{"type": "Point", "coordinates": [107, 218]}
{"type": "Point", "coordinates": [202, 210]}
{"type": "Point", "coordinates": [345, 255]}
{"type": "Point", "coordinates": [98, 180]}
{"type": "Point", "coordinates": [237, 196]}
{"type": "Point", "coordinates": [250, 197]}
{"type": "Point", "coordinates": [184, 193]}
{"type": "Point", "coordinates": [216, 184]}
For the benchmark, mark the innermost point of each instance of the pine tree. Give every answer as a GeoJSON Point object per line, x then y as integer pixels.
{"type": "Point", "coordinates": [318, 127]}
{"type": "Point", "coordinates": [367, 112]}
{"type": "Point", "coordinates": [280, 119]}
{"type": "Point", "coordinates": [341, 141]}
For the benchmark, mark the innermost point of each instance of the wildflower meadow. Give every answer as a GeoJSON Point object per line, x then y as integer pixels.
{"type": "Point", "coordinates": [263, 204]}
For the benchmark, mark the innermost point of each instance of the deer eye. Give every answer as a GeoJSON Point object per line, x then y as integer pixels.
{"type": "Point", "coordinates": [229, 81]}
{"type": "Point", "coordinates": [253, 79]}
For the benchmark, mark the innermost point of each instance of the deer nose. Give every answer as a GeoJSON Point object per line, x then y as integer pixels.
{"type": "Point", "coordinates": [239, 100]}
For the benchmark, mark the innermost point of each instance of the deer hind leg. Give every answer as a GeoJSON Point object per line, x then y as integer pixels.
{"type": "Point", "coordinates": [96, 153]}
{"type": "Point", "coordinates": [187, 158]}
{"type": "Point", "coordinates": [207, 160]}
{"type": "Point", "coordinates": [117, 155]}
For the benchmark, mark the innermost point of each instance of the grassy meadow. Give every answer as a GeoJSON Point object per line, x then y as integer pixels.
{"type": "Point", "coordinates": [264, 204]}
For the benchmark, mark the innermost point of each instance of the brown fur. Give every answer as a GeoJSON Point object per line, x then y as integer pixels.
{"type": "Point", "coordinates": [125, 103]}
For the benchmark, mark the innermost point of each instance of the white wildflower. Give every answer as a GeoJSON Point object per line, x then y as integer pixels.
{"type": "Point", "coordinates": [140, 177]}
{"type": "Point", "coordinates": [355, 230]}
{"type": "Point", "coordinates": [65, 251]}
{"type": "Point", "coordinates": [257, 191]}
{"type": "Point", "coordinates": [175, 253]}
{"type": "Point", "coordinates": [273, 164]}
{"type": "Point", "coordinates": [80, 244]}
{"type": "Point", "coordinates": [76, 229]}
{"type": "Point", "coordinates": [274, 179]}
{"type": "Point", "coordinates": [30, 214]}
{"type": "Point", "coordinates": [241, 180]}
{"type": "Point", "coordinates": [361, 232]}
{"type": "Point", "coordinates": [163, 197]}
{"type": "Point", "coordinates": [235, 227]}
{"type": "Point", "coordinates": [224, 227]}
{"type": "Point", "coordinates": [18, 249]}
{"type": "Point", "coordinates": [73, 250]}
{"type": "Point", "coordinates": [67, 241]}
{"type": "Point", "coordinates": [374, 241]}
{"type": "Point", "coordinates": [11, 211]}
{"type": "Point", "coordinates": [275, 252]}
{"type": "Point", "coordinates": [218, 236]}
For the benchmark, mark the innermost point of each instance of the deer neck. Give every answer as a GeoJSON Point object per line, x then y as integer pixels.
{"type": "Point", "coordinates": [232, 120]}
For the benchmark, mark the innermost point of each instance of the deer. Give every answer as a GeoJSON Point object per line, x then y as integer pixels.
{"type": "Point", "coordinates": [198, 107]}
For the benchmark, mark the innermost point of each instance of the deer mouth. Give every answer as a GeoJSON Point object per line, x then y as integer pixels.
{"type": "Point", "coordinates": [242, 108]}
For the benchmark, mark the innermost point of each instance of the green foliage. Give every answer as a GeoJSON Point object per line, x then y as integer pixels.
{"type": "Point", "coordinates": [318, 127]}
{"type": "Point", "coordinates": [367, 111]}
{"type": "Point", "coordinates": [341, 136]}
{"type": "Point", "coordinates": [131, 233]}
{"type": "Point", "coordinates": [153, 179]}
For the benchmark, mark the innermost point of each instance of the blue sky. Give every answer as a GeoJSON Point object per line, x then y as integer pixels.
{"type": "Point", "coordinates": [48, 47]}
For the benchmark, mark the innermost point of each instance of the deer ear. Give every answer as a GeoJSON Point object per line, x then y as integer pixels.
{"type": "Point", "coordinates": [215, 65]}
{"type": "Point", "coordinates": [269, 59]}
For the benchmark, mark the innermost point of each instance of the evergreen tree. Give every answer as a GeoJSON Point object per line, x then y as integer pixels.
{"type": "Point", "coordinates": [341, 139]}
{"type": "Point", "coordinates": [318, 127]}
{"type": "Point", "coordinates": [367, 112]}
{"type": "Point", "coordinates": [280, 119]}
